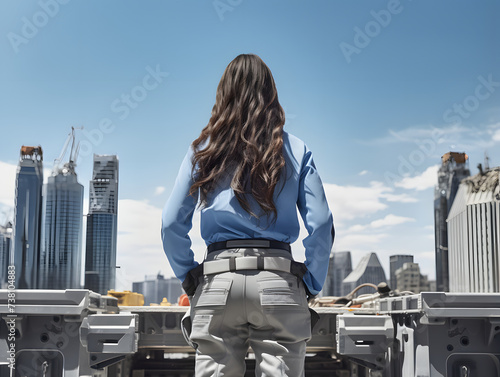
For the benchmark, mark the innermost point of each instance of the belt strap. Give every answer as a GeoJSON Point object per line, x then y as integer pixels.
{"type": "Point", "coordinates": [250, 243]}
{"type": "Point", "coordinates": [246, 263]}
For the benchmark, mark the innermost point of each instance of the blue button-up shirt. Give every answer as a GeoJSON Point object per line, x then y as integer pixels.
{"type": "Point", "coordinates": [224, 219]}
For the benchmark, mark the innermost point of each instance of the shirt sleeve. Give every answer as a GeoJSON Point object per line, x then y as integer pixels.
{"type": "Point", "coordinates": [177, 221]}
{"type": "Point", "coordinates": [318, 220]}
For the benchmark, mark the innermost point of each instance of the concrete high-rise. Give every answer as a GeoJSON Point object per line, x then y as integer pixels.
{"type": "Point", "coordinates": [339, 267]}
{"type": "Point", "coordinates": [396, 262]}
{"type": "Point", "coordinates": [454, 168]}
{"type": "Point", "coordinates": [100, 253]}
{"type": "Point", "coordinates": [409, 278]}
{"type": "Point", "coordinates": [27, 217]}
{"type": "Point", "coordinates": [369, 270]}
{"type": "Point", "coordinates": [5, 247]}
{"type": "Point", "coordinates": [474, 234]}
{"type": "Point", "coordinates": [61, 251]}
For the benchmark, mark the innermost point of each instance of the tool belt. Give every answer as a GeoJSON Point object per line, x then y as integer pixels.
{"type": "Point", "coordinates": [232, 264]}
{"type": "Point", "coordinates": [246, 263]}
{"type": "Point", "coordinates": [249, 243]}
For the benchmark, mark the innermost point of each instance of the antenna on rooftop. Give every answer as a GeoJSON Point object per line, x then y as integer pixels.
{"type": "Point", "coordinates": [486, 161]}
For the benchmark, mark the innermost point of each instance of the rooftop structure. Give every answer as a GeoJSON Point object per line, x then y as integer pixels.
{"type": "Point", "coordinates": [474, 234]}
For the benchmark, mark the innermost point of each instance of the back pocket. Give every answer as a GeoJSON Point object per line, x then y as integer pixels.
{"type": "Point", "coordinates": [280, 291]}
{"type": "Point", "coordinates": [214, 292]}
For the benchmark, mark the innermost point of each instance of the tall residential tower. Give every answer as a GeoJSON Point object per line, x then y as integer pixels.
{"type": "Point", "coordinates": [100, 254]}
{"type": "Point", "coordinates": [27, 217]}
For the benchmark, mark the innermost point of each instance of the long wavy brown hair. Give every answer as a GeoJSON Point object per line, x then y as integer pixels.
{"type": "Point", "coordinates": [244, 137]}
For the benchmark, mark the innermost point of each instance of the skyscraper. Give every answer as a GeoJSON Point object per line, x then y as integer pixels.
{"type": "Point", "coordinates": [396, 262]}
{"type": "Point", "coordinates": [474, 234]}
{"type": "Point", "coordinates": [61, 251]}
{"type": "Point", "coordinates": [5, 246]}
{"type": "Point", "coordinates": [369, 270]}
{"type": "Point", "coordinates": [339, 267]}
{"type": "Point", "coordinates": [454, 168]}
{"type": "Point", "coordinates": [27, 217]}
{"type": "Point", "coordinates": [100, 254]}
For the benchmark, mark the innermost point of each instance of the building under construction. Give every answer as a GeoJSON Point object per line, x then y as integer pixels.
{"type": "Point", "coordinates": [61, 251]}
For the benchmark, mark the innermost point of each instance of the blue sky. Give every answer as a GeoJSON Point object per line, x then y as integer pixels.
{"type": "Point", "coordinates": [379, 90]}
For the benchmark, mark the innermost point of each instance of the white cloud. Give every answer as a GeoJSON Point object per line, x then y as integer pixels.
{"type": "Point", "coordinates": [364, 172]}
{"type": "Point", "coordinates": [139, 249]}
{"type": "Point", "coordinates": [431, 140]}
{"type": "Point", "coordinates": [8, 186]}
{"type": "Point", "coordinates": [400, 198]}
{"type": "Point", "coordinates": [159, 190]}
{"type": "Point", "coordinates": [496, 135]}
{"type": "Point", "coordinates": [420, 182]}
{"type": "Point", "coordinates": [387, 221]}
{"type": "Point", "coordinates": [357, 242]}
{"type": "Point", "coordinates": [350, 202]}
{"type": "Point", "coordinates": [390, 220]}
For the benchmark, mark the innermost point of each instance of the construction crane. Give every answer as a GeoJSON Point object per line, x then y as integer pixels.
{"type": "Point", "coordinates": [68, 167]}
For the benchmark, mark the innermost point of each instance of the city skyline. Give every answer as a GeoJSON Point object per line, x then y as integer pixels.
{"type": "Point", "coordinates": [376, 96]}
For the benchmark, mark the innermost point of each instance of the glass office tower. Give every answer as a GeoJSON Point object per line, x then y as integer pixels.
{"type": "Point", "coordinates": [339, 268]}
{"type": "Point", "coordinates": [100, 255]}
{"type": "Point", "coordinates": [60, 259]}
{"type": "Point", "coordinates": [27, 217]}
{"type": "Point", "coordinates": [369, 270]}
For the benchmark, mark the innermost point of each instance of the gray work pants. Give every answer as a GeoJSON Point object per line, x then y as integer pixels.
{"type": "Point", "coordinates": [266, 310]}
